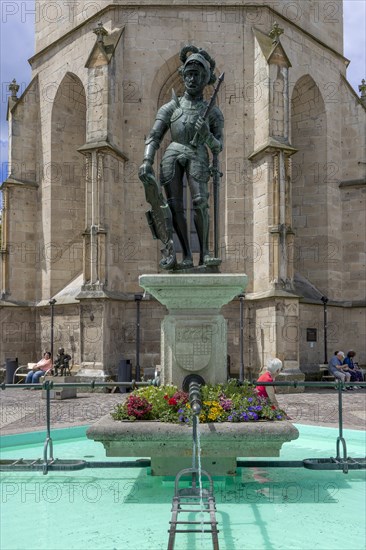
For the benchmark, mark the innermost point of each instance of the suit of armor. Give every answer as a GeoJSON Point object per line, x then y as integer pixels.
{"type": "Point", "coordinates": [187, 154]}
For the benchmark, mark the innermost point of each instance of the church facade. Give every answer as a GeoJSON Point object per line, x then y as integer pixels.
{"type": "Point", "coordinates": [292, 197]}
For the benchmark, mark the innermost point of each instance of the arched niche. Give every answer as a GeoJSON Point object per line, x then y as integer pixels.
{"type": "Point", "coordinates": [67, 211]}
{"type": "Point", "coordinates": [309, 181]}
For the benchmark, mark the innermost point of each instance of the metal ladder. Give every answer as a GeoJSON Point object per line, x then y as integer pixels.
{"type": "Point", "coordinates": [187, 500]}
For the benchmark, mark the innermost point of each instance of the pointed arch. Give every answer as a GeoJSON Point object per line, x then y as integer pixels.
{"type": "Point", "coordinates": [68, 133]}
{"type": "Point", "coordinates": [309, 176]}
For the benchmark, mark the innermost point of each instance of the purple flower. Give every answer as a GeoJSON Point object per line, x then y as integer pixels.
{"type": "Point", "coordinates": [230, 418]}
{"type": "Point", "coordinates": [279, 417]}
{"type": "Point", "coordinates": [250, 399]}
{"type": "Point", "coordinates": [225, 403]}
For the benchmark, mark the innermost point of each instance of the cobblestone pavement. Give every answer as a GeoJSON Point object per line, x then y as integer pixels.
{"type": "Point", "coordinates": [24, 410]}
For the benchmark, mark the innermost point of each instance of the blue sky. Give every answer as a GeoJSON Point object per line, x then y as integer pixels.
{"type": "Point", "coordinates": [17, 45]}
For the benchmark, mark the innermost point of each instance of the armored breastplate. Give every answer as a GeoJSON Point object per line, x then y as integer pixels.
{"type": "Point", "coordinates": [184, 118]}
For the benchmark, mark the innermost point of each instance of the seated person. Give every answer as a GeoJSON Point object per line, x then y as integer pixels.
{"type": "Point", "coordinates": [39, 369]}
{"type": "Point", "coordinates": [62, 361]}
{"type": "Point", "coordinates": [335, 367]}
{"type": "Point", "coordinates": [273, 368]}
{"type": "Point", "coordinates": [352, 368]}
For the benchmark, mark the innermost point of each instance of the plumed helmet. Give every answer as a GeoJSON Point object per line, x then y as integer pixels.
{"type": "Point", "coordinates": [61, 350]}
{"type": "Point", "coordinates": [200, 57]}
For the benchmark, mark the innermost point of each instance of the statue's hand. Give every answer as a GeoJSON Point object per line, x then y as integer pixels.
{"type": "Point", "coordinates": [146, 172]}
{"type": "Point", "coordinates": [202, 128]}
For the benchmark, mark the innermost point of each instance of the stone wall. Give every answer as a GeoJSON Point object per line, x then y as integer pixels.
{"type": "Point", "coordinates": [17, 334]}
{"type": "Point", "coordinates": [346, 327]}
{"type": "Point", "coordinates": [324, 20]}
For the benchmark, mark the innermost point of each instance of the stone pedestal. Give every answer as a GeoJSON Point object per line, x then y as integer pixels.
{"type": "Point", "coordinates": [61, 393]}
{"type": "Point", "coordinates": [291, 373]}
{"type": "Point", "coordinates": [170, 445]}
{"type": "Point", "coordinates": [194, 333]}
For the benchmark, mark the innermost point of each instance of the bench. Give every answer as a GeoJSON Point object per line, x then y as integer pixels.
{"type": "Point", "coordinates": [325, 376]}
{"type": "Point", "coordinates": [21, 373]}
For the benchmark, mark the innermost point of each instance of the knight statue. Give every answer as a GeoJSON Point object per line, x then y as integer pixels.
{"type": "Point", "coordinates": [196, 126]}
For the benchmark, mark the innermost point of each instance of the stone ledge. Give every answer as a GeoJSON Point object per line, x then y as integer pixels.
{"type": "Point", "coordinates": [170, 445]}
{"type": "Point", "coordinates": [194, 292]}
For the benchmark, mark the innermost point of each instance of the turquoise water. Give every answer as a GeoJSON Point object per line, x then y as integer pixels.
{"type": "Point", "coordinates": [130, 510]}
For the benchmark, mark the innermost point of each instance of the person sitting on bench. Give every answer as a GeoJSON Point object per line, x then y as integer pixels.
{"type": "Point", "coordinates": [62, 362]}
{"type": "Point", "coordinates": [39, 369]}
{"type": "Point", "coordinates": [352, 368]}
{"type": "Point", "coordinates": [335, 367]}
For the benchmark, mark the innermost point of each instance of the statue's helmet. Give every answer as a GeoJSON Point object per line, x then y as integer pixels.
{"type": "Point", "coordinates": [199, 57]}
{"type": "Point", "coordinates": [61, 350]}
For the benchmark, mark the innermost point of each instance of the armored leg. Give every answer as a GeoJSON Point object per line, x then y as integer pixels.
{"type": "Point", "coordinates": [180, 227]}
{"type": "Point", "coordinates": [174, 193]}
{"type": "Point", "coordinates": [201, 221]}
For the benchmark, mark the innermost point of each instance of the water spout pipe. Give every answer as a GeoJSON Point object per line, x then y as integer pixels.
{"type": "Point", "coordinates": [192, 385]}
{"type": "Point", "coordinates": [195, 400]}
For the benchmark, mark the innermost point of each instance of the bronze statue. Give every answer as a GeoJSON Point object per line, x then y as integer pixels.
{"type": "Point", "coordinates": [62, 362]}
{"type": "Point", "coordinates": [194, 125]}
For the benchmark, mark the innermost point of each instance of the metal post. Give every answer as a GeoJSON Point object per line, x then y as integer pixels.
{"type": "Point", "coordinates": [324, 299]}
{"type": "Point", "coordinates": [194, 448]}
{"type": "Point", "coordinates": [48, 444]}
{"type": "Point", "coordinates": [138, 298]}
{"type": "Point", "coordinates": [241, 371]}
{"type": "Point", "coordinates": [340, 438]}
{"type": "Point", "coordinates": [52, 303]}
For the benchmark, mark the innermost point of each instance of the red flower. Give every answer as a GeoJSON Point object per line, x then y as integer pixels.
{"type": "Point", "coordinates": [181, 397]}
{"type": "Point", "coordinates": [172, 401]}
{"type": "Point", "coordinates": [166, 397]}
{"type": "Point", "coordinates": [139, 407]}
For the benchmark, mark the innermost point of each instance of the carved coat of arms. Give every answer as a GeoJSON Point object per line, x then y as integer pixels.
{"type": "Point", "coordinates": [193, 346]}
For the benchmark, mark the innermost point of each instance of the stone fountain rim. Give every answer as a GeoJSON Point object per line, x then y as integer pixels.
{"type": "Point", "coordinates": [110, 429]}
{"type": "Point", "coordinates": [200, 280]}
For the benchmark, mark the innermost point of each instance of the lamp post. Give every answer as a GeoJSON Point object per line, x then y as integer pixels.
{"type": "Point", "coordinates": [52, 303]}
{"type": "Point", "coordinates": [138, 298]}
{"type": "Point", "coordinates": [241, 337]}
{"type": "Point", "coordinates": [324, 299]}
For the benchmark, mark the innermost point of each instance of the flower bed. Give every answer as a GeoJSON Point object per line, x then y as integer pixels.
{"type": "Point", "coordinates": [157, 423]}
{"type": "Point", "coordinates": [228, 402]}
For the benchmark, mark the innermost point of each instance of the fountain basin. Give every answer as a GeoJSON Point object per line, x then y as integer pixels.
{"type": "Point", "coordinates": [170, 445]}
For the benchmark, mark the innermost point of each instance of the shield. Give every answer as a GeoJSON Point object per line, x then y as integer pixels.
{"type": "Point", "coordinates": [160, 222]}
{"type": "Point", "coordinates": [193, 346]}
